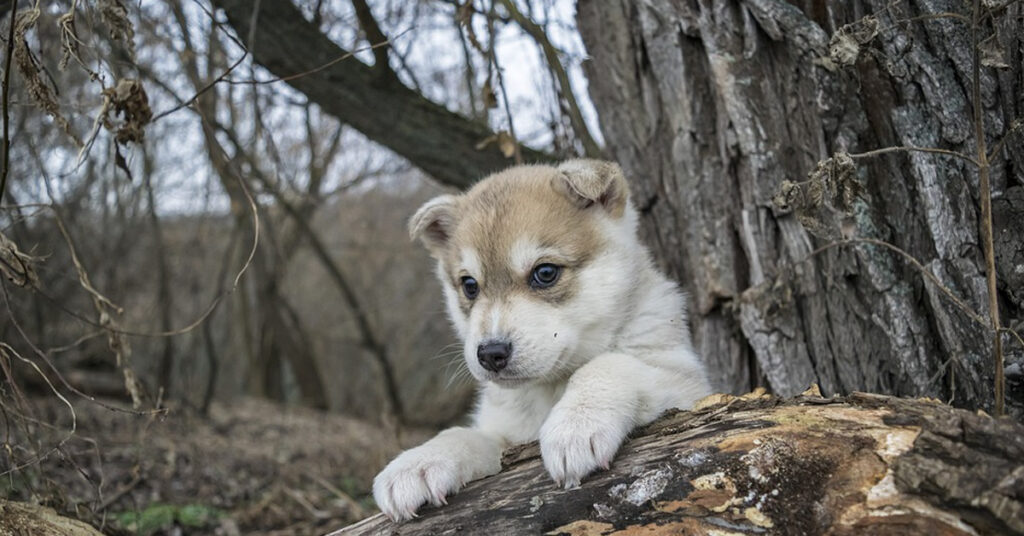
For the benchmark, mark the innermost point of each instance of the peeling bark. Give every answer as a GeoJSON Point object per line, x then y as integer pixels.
{"type": "Point", "coordinates": [757, 464]}
{"type": "Point", "coordinates": [710, 105]}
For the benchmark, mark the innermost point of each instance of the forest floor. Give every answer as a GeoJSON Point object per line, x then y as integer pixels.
{"type": "Point", "coordinates": [250, 467]}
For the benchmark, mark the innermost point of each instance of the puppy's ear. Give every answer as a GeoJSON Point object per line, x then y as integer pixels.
{"type": "Point", "coordinates": [593, 182]}
{"type": "Point", "coordinates": [434, 223]}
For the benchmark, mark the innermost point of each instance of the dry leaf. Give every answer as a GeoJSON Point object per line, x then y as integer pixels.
{"type": "Point", "coordinates": [17, 267]}
{"type": "Point", "coordinates": [824, 203]}
{"type": "Point", "coordinates": [507, 144]}
{"type": "Point", "coordinates": [992, 54]}
{"type": "Point", "coordinates": [42, 95]}
{"type": "Point", "coordinates": [115, 17]}
{"type": "Point", "coordinates": [813, 390]}
{"type": "Point", "coordinates": [845, 46]}
{"type": "Point", "coordinates": [127, 99]}
{"type": "Point", "coordinates": [490, 99]}
{"type": "Point", "coordinates": [464, 16]}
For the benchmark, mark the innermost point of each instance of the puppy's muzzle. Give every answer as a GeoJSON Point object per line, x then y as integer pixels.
{"type": "Point", "coordinates": [494, 355]}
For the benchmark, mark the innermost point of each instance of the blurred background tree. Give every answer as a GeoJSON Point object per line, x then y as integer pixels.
{"type": "Point", "coordinates": [204, 202]}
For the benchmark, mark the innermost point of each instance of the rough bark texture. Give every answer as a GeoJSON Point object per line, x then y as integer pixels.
{"type": "Point", "coordinates": [23, 519]}
{"type": "Point", "coordinates": [710, 105]}
{"type": "Point", "coordinates": [438, 141]}
{"type": "Point", "coordinates": [756, 464]}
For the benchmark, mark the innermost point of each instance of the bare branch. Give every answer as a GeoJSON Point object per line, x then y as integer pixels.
{"type": "Point", "coordinates": [375, 36]}
{"type": "Point", "coordinates": [579, 126]}
{"type": "Point", "coordinates": [436, 140]}
{"type": "Point", "coordinates": [6, 101]}
{"type": "Point", "coordinates": [985, 193]}
{"type": "Point", "coordinates": [932, 150]}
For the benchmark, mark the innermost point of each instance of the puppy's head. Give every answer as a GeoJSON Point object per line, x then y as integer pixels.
{"type": "Point", "coordinates": [535, 266]}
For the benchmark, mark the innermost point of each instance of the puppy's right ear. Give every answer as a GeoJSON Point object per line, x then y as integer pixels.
{"type": "Point", "coordinates": [434, 223]}
{"type": "Point", "coordinates": [588, 182]}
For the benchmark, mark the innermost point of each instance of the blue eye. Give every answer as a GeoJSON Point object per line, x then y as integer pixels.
{"type": "Point", "coordinates": [470, 287]}
{"type": "Point", "coordinates": [545, 275]}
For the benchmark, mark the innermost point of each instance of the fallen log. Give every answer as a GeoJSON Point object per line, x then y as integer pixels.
{"type": "Point", "coordinates": [24, 519]}
{"type": "Point", "coordinates": [757, 464]}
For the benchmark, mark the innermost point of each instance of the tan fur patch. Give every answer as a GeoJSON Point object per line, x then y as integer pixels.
{"type": "Point", "coordinates": [594, 181]}
{"type": "Point", "coordinates": [525, 204]}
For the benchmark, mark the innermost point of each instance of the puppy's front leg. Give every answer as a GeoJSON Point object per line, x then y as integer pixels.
{"type": "Point", "coordinates": [603, 401]}
{"type": "Point", "coordinates": [434, 470]}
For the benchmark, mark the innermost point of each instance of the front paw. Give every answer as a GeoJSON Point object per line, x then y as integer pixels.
{"type": "Point", "coordinates": [416, 477]}
{"type": "Point", "coordinates": [575, 441]}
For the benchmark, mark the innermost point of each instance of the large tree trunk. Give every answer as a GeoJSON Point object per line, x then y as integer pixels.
{"type": "Point", "coordinates": [866, 464]}
{"type": "Point", "coordinates": [710, 105]}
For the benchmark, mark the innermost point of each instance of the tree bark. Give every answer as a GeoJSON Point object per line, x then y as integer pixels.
{"type": "Point", "coordinates": [436, 140]}
{"type": "Point", "coordinates": [711, 105]}
{"type": "Point", "coordinates": [757, 464]}
{"type": "Point", "coordinates": [23, 518]}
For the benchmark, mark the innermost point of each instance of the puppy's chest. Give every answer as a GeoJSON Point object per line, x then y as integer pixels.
{"type": "Point", "coordinates": [520, 413]}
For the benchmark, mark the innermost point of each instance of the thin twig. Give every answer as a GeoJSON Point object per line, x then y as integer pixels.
{"type": "Point", "coordinates": [932, 16]}
{"type": "Point", "coordinates": [1016, 335]}
{"type": "Point", "coordinates": [252, 22]}
{"type": "Point", "coordinates": [579, 126]}
{"type": "Point", "coordinates": [7, 350]}
{"type": "Point", "coordinates": [223, 76]}
{"type": "Point", "coordinates": [357, 509]}
{"type": "Point", "coordinates": [985, 193]}
{"type": "Point", "coordinates": [83, 276]}
{"type": "Point", "coordinates": [518, 153]}
{"type": "Point", "coordinates": [1014, 127]}
{"type": "Point", "coordinates": [303, 502]}
{"type": "Point", "coordinates": [317, 69]}
{"type": "Point", "coordinates": [369, 338]}
{"type": "Point", "coordinates": [72, 346]}
{"type": "Point", "coordinates": [6, 100]}
{"type": "Point", "coordinates": [113, 498]}
{"type": "Point", "coordinates": [213, 304]}
{"type": "Point", "coordinates": [934, 150]}
{"type": "Point", "coordinates": [470, 75]}
{"type": "Point", "coordinates": [912, 260]}
{"type": "Point", "coordinates": [53, 368]}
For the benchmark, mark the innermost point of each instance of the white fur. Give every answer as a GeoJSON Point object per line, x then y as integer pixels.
{"type": "Point", "coordinates": [451, 302]}
{"type": "Point", "coordinates": [471, 263]}
{"type": "Point", "coordinates": [621, 357]}
{"type": "Point", "coordinates": [525, 253]}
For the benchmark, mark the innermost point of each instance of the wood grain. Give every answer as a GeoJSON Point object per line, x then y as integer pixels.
{"type": "Point", "coordinates": [757, 464]}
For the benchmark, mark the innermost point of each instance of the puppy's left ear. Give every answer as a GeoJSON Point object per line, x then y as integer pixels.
{"type": "Point", "coordinates": [434, 223]}
{"type": "Point", "coordinates": [593, 182]}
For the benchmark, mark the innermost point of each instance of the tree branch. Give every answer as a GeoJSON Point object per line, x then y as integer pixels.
{"type": "Point", "coordinates": [579, 126]}
{"type": "Point", "coordinates": [436, 140]}
{"type": "Point", "coordinates": [374, 35]}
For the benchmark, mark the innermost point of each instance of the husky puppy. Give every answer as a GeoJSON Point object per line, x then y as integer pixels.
{"type": "Point", "coordinates": [576, 338]}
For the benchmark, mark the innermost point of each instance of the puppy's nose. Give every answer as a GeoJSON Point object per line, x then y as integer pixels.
{"type": "Point", "coordinates": [493, 356]}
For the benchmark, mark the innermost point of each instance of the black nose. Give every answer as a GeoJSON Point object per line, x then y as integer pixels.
{"type": "Point", "coordinates": [493, 356]}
